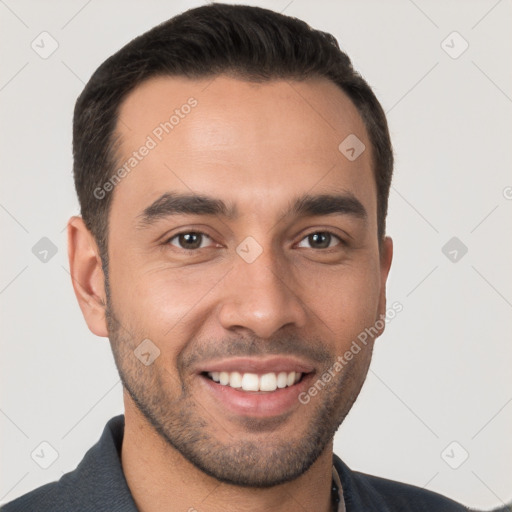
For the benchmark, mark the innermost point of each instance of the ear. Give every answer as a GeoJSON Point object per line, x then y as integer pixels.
{"type": "Point", "coordinates": [87, 275]}
{"type": "Point", "coordinates": [386, 256]}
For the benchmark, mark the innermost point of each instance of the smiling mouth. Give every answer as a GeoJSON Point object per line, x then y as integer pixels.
{"type": "Point", "coordinates": [245, 381]}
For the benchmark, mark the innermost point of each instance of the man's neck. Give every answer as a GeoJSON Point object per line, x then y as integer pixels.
{"type": "Point", "coordinates": [160, 478]}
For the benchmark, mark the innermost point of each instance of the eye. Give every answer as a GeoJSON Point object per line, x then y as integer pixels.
{"type": "Point", "coordinates": [189, 240]}
{"type": "Point", "coordinates": [321, 240]}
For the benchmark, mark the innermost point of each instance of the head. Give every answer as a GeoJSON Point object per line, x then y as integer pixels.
{"type": "Point", "coordinates": [233, 173]}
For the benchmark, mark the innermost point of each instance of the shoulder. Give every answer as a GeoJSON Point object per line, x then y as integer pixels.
{"type": "Point", "coordinates": [376, 493]}
{"type": "Point", "coordinates": [42, 499]}
{"type": "Point", "coordinates": [97, 483]}
{"type": "Point", "coordinates": [75, 491]}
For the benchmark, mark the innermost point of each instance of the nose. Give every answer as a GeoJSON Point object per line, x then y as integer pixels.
{"type": "Point", "coordinates": [261, 297]}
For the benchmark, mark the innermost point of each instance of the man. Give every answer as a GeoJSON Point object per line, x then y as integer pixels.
{"type": "Point", "coordinates": [233, 173]}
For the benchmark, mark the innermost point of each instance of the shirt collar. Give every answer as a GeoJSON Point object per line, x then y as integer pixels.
{"type": "Point", "coordinates": [337, 492]}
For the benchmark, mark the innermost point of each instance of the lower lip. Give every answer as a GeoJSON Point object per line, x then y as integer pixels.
{"type": "Point", "coordinates": [257, 404]}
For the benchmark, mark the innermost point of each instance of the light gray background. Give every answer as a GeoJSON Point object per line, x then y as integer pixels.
{"type": "Point", "coordinates": [442, 370]}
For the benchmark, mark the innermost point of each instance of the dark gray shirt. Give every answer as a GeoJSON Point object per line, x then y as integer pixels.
{"type": "Point", "coordinates": [98, 485]}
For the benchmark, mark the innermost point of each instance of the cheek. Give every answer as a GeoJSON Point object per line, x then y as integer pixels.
{"type": "Point", "coordinates": [346, 299]}
{"type": "Point", "coordinates": [162, 302]}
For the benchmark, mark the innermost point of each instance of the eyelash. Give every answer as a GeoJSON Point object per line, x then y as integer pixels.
{"type": "Point", "coordinates": [326, 232]}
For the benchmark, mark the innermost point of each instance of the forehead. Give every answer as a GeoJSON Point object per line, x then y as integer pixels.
{"type": "Point", "coordinates": [248, 143]}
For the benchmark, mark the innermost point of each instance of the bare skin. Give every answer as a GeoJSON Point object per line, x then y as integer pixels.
{"type": "Point", "coordinates": [188, 444]}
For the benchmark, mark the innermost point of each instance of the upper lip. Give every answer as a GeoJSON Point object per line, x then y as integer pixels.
{"type": "Point", "coordinates": [258, 365]}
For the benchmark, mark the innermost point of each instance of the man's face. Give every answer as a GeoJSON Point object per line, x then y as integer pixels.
{"type": "Point", "coordinates": [257, 290]}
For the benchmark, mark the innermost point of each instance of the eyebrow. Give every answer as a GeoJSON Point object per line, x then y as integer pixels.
{"type": "Point", "coordinates": [173, 203]}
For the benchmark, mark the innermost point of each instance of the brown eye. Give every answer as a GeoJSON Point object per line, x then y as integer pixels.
{"type": "Point", "coordinates": [189, 240]}
{"type": "Point", "coordinates": [321, 240]}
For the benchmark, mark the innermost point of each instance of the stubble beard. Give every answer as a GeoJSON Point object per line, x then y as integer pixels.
{"type": "Point", "coordinates": [182, 422]}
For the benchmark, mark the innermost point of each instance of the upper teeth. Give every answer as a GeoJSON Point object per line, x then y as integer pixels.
{"type": "Point", "coordinates": [255, 382]}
